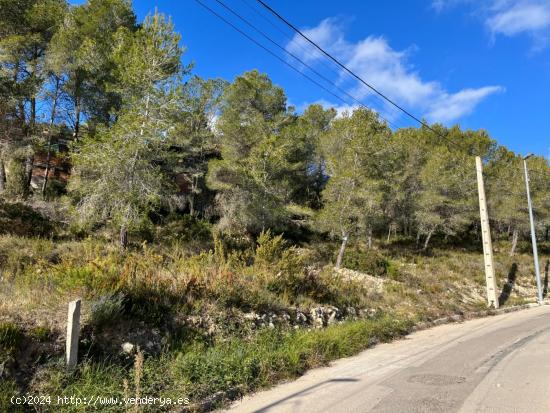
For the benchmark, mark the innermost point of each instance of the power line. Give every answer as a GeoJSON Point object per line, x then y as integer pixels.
{"type": "Point", "coordinates": [309, 67]}
{"type": "Point", "coordinates": [247, 22]}
{"type": "Point", "coordinates": [344, 67]}
{"type": "Point", "coordinates": [357, 77]}
{"type": "Point", "coordinates": [284, 61]}
{"type": "Point", "coordinates": [290, 39]}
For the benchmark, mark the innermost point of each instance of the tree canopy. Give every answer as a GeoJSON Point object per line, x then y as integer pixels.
{"type": "Point", "coordinates": [148, 137]}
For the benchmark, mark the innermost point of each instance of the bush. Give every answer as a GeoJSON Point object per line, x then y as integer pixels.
{"type": "Point", "coordinates": [185, 228]}
{"type": "Point", "coordinates": [370, 262]}
{"type": "Point", "coordinates": [269, 249]}
{"type": "Point", "coordinates": [107, 309]}
{"type": "Point", "coordinates": [17, 178]}
{"type": "Point", "coordinates": [9, 388]}
{"type": "Point", "coordinates": [10, 336]}
{"type": "Point", "coordinates": [273, 355]}
{"type": "Point", "coordinates": [41, 333]}
{"type": "Point", "coordinates": [20, 219]}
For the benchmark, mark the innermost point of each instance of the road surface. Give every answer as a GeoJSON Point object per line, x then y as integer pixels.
{"type": "Point", "coordinates": [495, 364]}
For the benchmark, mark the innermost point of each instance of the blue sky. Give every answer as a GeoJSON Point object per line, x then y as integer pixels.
{"type": "Point", "coordinates": [452, 61]}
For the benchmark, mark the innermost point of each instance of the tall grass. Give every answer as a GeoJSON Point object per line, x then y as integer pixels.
{"type": "Point", "coordinates": [235, 366]}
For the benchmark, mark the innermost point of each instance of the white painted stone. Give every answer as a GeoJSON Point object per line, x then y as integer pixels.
{"type": "Point", "coordinates": [73, 332]}
{"type": "Point", "coordinates": [128, 348]}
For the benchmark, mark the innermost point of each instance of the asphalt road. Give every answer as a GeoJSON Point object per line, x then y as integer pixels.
{"type": "Point", "coordinates": [496, 364]}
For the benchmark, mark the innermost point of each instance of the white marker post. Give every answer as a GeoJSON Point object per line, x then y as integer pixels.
{"type": "Point", "coordinates": [490, 279]}
{"type": "Point", "coordinates": [73, 332]}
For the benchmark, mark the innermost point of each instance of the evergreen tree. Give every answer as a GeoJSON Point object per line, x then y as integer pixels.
{"type": "Point", "coordinates": [195, 140]}
{"type": "Point", "coordinates": [26, 29]}
{"type": "Point", "coordinates": [252, 178]}
{"type": "Point", "coordinates": [81, 53]}
{"type": "Point", "coordinates": [120, 179]}
{"type": "Point", "coordinates": [353, 150]}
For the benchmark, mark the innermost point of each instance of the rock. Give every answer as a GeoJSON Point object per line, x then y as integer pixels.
{"type": "Point", "coordinates": [301, 318]}
{"type": "Point", "coordinates": [128, 348]}
{"type": "Point", "coordinates": [250, 316]}
{"type": "Point", "coordinates": [332, 315]}
{"type": "Point", "coordinates": [351, 312]}
{"type": "Point", "coordinates": [317, 317]}
{"type": "Point", "coordinates": [367, 312]}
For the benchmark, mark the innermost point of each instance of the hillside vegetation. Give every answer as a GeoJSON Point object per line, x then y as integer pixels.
{"type": "Point", "coordinates": [221, 240]}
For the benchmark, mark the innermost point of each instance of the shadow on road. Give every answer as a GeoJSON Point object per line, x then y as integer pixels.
{"type": "Point", "coordinates": [510, 282]}
{"type": "Point", "coordinates": [303, 392]}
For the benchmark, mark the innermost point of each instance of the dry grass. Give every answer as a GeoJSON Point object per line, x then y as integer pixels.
{"type": "Point", "coordinates": [163, 285]}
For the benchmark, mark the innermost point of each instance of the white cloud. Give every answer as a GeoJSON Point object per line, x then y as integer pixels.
{"type": "Point", "coordinates": [459, 104]}
{"type": "Point", "coordinates": [328, 34]}
{"type": "Point", "coordinates": [510, 17]}
{"type": "Point", "coordinates": [440, 5]}
{"type": "Point", "coordinates": [520, 17]}
{"type": "Point", "coordinates": [375, 61]}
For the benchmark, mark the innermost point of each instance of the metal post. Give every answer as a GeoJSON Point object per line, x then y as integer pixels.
{"type": "Point", "coordinates": [490, 279]}
{"type": "Point", "coordinates": [533, 233]}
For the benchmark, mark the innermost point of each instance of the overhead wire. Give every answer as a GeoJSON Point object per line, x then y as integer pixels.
{"type": "Point", "coordinates": [301, 61]}
{"type": "Point", "coordinates": [360, 79]}
{"type": "Point", "coordinates": [292, 40]}
{"type": "Point", "coordinates": [349, 71]}
{"type": "Point", "coordinates": [313, 70]}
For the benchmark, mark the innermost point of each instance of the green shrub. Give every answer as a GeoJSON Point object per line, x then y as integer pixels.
{"type": "Point", "coordinates": [41, 333]}
{"type": "Point", "coordinates": [21, 219]}
{"type": "Point", "coordinates": [107, 309]}
{"type": "Point", "coordinates": [55, 189]}
{"type": "Point", "coordinates": [17, 178]}
{"type": "Point", "coordinates": [8, 389]}
{"type": "Point", "coordinates": [269, 248]}
{"type": "Point", "coordinates": [273, 355]}
{"type": "Point", "coordinates": [185, 228]}
{"type": "Point", "coordinates": [10, 336]}
{"type": "Point", "coordinates": [370, 262]}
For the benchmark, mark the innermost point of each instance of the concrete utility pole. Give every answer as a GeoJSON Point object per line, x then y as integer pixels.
{"type": "Point", "coordinates": [533, 233]}
{"type": "Point", "coordinates": [490, 279]}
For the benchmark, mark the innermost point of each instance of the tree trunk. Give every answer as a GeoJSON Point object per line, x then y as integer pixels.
{"type": "Point", "coordinates": [417, 239]}
{"type": "Point", "coordinates": [77, 120]}
{"type": "Point", "coordinates": [389, 234]}
{"type": "Point", "coordinates": [340, 257]}
{"type": "Point", "coordinates": [123, 237]}
{"type": "Point", "coordinates": [77, 102]}
{"type": "Point", "coordinates": [2, 175]}
{"type": "Point", "coordinates": [49, 154]}
{"type": "Point", "coordinates": [47, 170]}
{"type": "Point", "coordinates": [514, 242]}
{"type": "Point", "coordinates": [369, 238]}
{"type": "Point", "coordinates": [33, 114]}
{"type": "Point", "coordinates": [29, 163]}
{"type": "Point", "coordinates": [428, 237]}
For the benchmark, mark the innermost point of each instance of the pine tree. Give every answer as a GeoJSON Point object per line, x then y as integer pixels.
{"type": "Point", "coordinates": [252, 178]}
{"type": "Point", "coordinates": [120, 179]}
{"type": "Point", "coordinates": [353, 150]}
